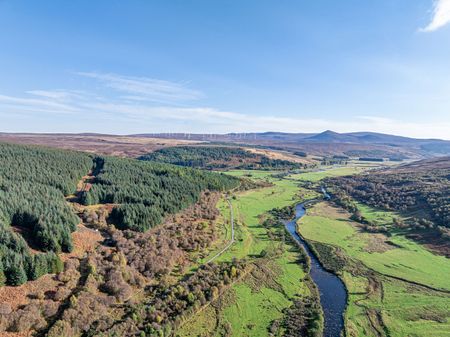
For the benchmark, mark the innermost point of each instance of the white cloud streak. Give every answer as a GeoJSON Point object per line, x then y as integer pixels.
{"type": "Point", "coordinates": [125, 115]}
{"type": "Point", "coordinates": [441, 16]}
{"type": "Point", "coordinates": [146, 89]}
{"type": "Point", "coordinates": [41, 104]}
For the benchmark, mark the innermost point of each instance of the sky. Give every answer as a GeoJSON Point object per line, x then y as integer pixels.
{"type": "Point", "coordinates": [202, 66]}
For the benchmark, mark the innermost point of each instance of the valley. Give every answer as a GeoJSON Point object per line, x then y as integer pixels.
{"type": "Point", "coordinates": [216, 259]}
{"type": "Point", "coordinates": [396, 287]}
{"type": "Point", "coordinates": [225, 168]}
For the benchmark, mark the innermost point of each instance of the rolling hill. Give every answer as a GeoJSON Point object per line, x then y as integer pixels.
{"type": "Point", "coordinates": [327, 143]}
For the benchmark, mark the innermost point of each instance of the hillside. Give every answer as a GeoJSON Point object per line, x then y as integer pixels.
{"type": "Point", "coordinates": [216, 157]}
{"type": "Point", "coordinates": [35, 217]}
{"type": "Point", "coordinates": [327, 143]}
{"type": "Point", "coordinates": [146, 192]}
{"type": "Point", "coordinates": [147, 223]}
{"type": "Point", "coordinates": [422, 166]}
{"type": "Point", "coordinates": [112, 145]}
{"type": "Point", "coordinates": [420, 191]}
{"type": "Point", "coordinates": [170, 254]}
{"type": "Point", "coordinates": [33, 183]}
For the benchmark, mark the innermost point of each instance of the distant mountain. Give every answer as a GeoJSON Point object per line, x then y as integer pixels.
{"type": "Point", "coordinates": [441, 163]}
{"type": "Point", "coordinates": [354, 144]}
{"type": "Point", "coordinates": [373, 137]}
{"type": "Point", "coordinates": [271, 135]}
{"type": "Point", "coordinates": [325, 144]}
{"type": "Point", "coordinates": [331, 137]}
{"type": "Point", "coordinates": [369, 138]}
{"type": "Point", "coordinates": [235, 136]}
{"type": "Point", "coordinates": [440, 147]}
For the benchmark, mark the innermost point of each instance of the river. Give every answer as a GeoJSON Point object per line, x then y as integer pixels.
{"type": "Point", "coordinates": [333, 296]}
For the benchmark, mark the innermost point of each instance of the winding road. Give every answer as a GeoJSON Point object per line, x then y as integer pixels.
{"type": "Point", "coordinates": [232, 235]}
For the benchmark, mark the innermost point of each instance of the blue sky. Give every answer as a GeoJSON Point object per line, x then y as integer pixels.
{"type": "Point", "coordinates": [225, 66]}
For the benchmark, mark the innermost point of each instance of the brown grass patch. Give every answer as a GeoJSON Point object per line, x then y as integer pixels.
{"type": "Point", "coordinates": [84, 240]}
{"type": "Point", "coordinates": [281, 155]}
{"type": "Point", "coordinates": [122, 146]}
{"type": "Point", "coordinates": [378, 243]}
{"type": "Point", "coordinates": [326, 210]}
{"type": "Point", "coordinates": [17, 296]}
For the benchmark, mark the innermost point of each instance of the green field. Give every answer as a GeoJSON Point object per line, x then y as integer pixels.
{"type": "Point", "coordinates": [394, 256]}
{"type": "Point", "coordinates": [378, 217]}
{"type": "Point", "coordinates": [324, 173]}
{"type": "Point", "coordinates": [376, 299]}
{"type": "Point", "coordinates": [255, 302]}
{"type": "Point", "coordinates": [390, 279]}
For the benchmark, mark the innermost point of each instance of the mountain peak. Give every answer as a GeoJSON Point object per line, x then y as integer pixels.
{"type": "Point", "coordinates": [331, 136]}
{"type": "Point", "coordinates": [329, 132]}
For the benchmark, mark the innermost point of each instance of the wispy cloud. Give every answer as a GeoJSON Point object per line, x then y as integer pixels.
{"type": "Point", "coordinates": [144, 88]}
{"type": "Point", "coordinates": [53, 94]}
{"type": "Point", "coordinates": [441, 16]}
{"type": "Point", "coordinates": [92, 111]}
{"type": "Point", "coordinates": [32, 104]}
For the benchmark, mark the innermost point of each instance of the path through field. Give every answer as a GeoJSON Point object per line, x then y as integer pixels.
{"type": "Point", "coordinates": [232, 234]}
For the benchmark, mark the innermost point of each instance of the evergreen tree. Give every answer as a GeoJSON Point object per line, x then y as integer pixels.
{"type": "Point", "coordinates": [148, 191]}
{"type": "Point", "coordinates": [40, 266]}
{"type": "Point", "coordinates": [217, 157]}
{"type": "Point", "coordinates": [35, 180]}
{"type": "Point", "coordinates": [16, 274]}
{"type": "Point", "coordinates": [54, 263]}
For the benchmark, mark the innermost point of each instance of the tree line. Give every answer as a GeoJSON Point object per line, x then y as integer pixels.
{"type": "Point", "coordinates": [33, 183]}
{"type": "Point", "coordinates": [402, 190]}
{"type": "Point", "coordinates": [147, 191]}
{"type": "Point", "coordinates": [218, 157]}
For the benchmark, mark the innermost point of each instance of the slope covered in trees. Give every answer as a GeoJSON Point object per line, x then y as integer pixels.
{"type": "Point", "coordinates": [147, 191]}
{"type": "Point", "coordinates": [33, 183]}
{"type": "Point", "coordinates": [421, 189]}
{"type": "Point", "coordinates": [217, 157]}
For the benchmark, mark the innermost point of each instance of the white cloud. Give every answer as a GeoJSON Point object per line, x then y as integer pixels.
{"type": "Point", "coordinates": [91, 111]}
{"type": "Point", "coordinates": [441, 16]}
{"type": "Point", "coordinates": [55, 94]}
{"type": "Point", "coordinates": [144, 88]}
{"type": "Point", "coordinates": [41, 104]}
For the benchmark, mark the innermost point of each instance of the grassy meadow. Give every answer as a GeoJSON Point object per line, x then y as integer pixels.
{"type": "Point", "coordinates": [318, 175]}
{"type": "Point", "coordinates": [396, 286]}
{"type": "Point", "coordinates": [393, 256]}
{"type": "Point", "coordinates": [388, 278]}
{"type": "Point", "coordinates": [260, 298]}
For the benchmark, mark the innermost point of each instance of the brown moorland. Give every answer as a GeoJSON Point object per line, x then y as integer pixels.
{"type": "Point", "coordinates": [121, 146]}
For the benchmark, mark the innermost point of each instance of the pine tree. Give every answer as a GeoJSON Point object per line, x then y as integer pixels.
{"type": "Point", "coordinates": [40, 266]}
{"type": "Point", "coordinates": [54, 263]}
{"type": "Point", "coordinates": [17, 275]}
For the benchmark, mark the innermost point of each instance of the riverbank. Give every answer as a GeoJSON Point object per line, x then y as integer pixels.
{"type": "Point", "coordinates": [280, 286]}
{"type": "Point", "coordinates": [256, 306]}
{"type": "Point", "coordinates": [333, 295]}
{"type": "Point", "coordinates": [388, 285]}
